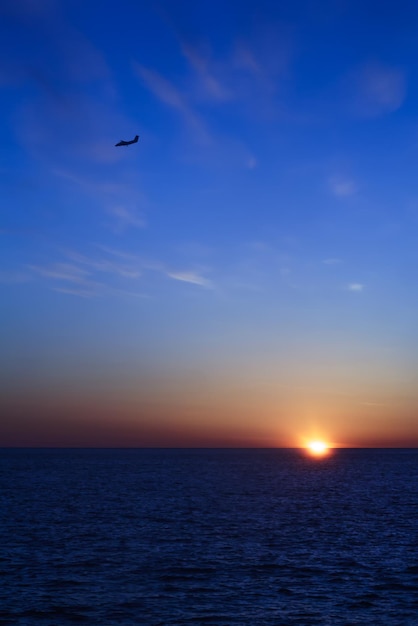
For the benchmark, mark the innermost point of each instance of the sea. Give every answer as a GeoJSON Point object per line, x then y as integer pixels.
{"type": "Point", "coordinates": [204, 536]}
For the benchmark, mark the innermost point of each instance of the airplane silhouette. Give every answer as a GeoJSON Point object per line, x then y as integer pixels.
{"type": "Point", "coordinates": [127, 143]}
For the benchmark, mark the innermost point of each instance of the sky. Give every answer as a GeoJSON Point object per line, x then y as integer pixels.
{"type": "Point", "coordinates": [244, 275]}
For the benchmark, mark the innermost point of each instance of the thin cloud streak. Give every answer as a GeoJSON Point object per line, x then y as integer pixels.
{"type": "Point", "coordinates": [169, 95]}
{"type": "Point", "coordinates": [113, 268]}
{"type": "Point", "coordinates": [81, 293]}
{"type": "Point", "coordinates": [61, 271]}
{"type": "Point", "coordinates": [190, 277]}
{"type": "Point", "coordinates": [103, 265]}
{"type": "Point", "coordinates": [116, 199]}
{"type": "Point", "coordinates": [126, 218]}
{"type": "Point", "coordinates": [212, 87]}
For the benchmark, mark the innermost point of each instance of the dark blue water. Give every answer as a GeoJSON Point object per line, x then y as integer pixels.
{"type": "Point", "coordinates": [208, 537]}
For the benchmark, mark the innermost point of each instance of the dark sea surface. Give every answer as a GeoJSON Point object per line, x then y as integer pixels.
{"type": "Point", "coordinates": [208, 537]}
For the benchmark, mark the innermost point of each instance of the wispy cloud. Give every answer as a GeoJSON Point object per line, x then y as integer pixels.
{"type": "Point", "coordinates": [377, 89]}
{"type": "Point", "coordinates": [162, 88]}
{"type": "Point", "coordinates": [332, 261]}
{"type": "Point", "coordinates": [100, 290]}
{"type": "Point", "coordinates": [190, 277]}
{"type": "Point", "coordinates": [58, 275]}
{"type": "Point", "coordinates": [355, 287]}
{"type": "Point", "coordinates": [172, 97]}
{"type": "Point", "coordinates": [266, 59]}
{"type": "Point", "coordinates": [342, 187]}
{"type": "Point", "coordinates": [211, 85]}
{"type": "Point", "coordinates": [120, 254]}
{"type": "Point", "coordinates": [216, 149]}
{"type": "Point", "coordinates": [116, 198]}
{"type": "Point", "coordinates": [81, 293]}
{"type": "Point", "coordinates": [89, 184]}
{"type": "Point", "coordinates": [61, 271]}
{"type": "Point", "coordinates": [244, 59]}
{"type": "Point", "coordinates": [104, 265]}
{"type": "Point", "coordinates": [126, 218]}
{"type": "Point", "coordinates": [251, 74]}
{"type": "Point", "coordinates": [109, 271]}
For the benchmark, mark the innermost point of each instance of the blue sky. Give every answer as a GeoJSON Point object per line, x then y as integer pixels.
{"type": "Point", "coordinates": [255, 250]}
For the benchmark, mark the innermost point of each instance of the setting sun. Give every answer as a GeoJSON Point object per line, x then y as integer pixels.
{"type": "Point", "coordinates": [318, 448]}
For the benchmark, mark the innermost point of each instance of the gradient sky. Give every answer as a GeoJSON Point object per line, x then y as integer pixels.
{"type": "Point", "coordinates": [244, 275]}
